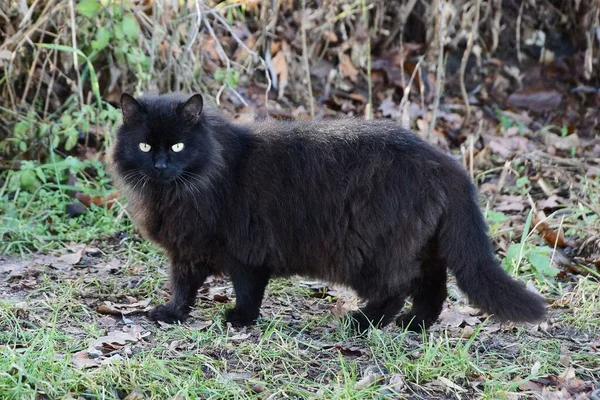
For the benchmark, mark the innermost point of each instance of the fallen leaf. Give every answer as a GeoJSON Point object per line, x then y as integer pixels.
{"type": "Point", "coordinates": [567, 374]}
{"type": "Point", "coordinates": [530, 386]}
{"type": "Point", "coordinates": [72, 258]}
{"type": "Point", "coordinates": [537, 100]}
{"type": "Point", "coordinates": [348, 69]}
{"type": "Point", "coordinates": [506, 146]}
{"type": "Point", "coordinates": [510, 203]}
{"type": "Point", "coordinates": [240, 336]}
{"type": "Point", "coordinates": [368, 380]}
{"type": "Point", "coordinates": [467, 332]}
{"type": "Point", "coordinates": [280, 66]}
{"type": "Point", "coordinates": [201, 325]}
{"type": "Point", "coordinates": [448, 383]}
{"type": "Point", "coordinates": [549, 203]}
{"type": "Point", "coordinates": [551, 236]}
{"type": "Point", "coordinates": [238, 376]}
{"type": "Point", "coordinates": [536, 368]}
{"type": "Point", "coordinates": [82, 360]}
{"type": "Point", "coordinates": [136, 394]}
{"type": "Point", "coordinates": [347, 349]}
{"type": "Point", "coordinates": [109, 308]}
{"type": "Point", "coordinates": [456, 316]}
{"type": "Point", "coordinates": [98, 200]}
{"type": "Point", "coordinates": [113, 340]}
{"type": "Point", "coordinates": [221, 298]}
{"type": "Point", "coordinates": [564, 143]}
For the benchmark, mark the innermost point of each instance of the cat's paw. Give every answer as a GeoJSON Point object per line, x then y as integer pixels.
{"type": "Point", "coordinates": [167, 313]}
{"type": "Point", "coordinates": [239, 318]}
{"type": "Point", "coordinates": [411, 323]}
{"type": "Point", "coordinates": [359, 323]}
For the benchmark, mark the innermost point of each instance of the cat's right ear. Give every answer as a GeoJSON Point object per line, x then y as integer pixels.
{"type": "Point", "coordinates": [130, 108]}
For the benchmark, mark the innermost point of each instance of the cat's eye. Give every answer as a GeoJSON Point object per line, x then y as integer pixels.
{"type": "Point", "coordinates": [145, 147]}
{"type": "Point", "coordinates": [177, 147]}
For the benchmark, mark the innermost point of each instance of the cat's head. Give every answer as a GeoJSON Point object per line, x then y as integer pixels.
{"type": "Point", "coordinates": [164, 140]}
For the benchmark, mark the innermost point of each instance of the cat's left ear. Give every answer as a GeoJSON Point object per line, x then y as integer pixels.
{"type": "Point", "coordinates": [192, 109]}
{"type": "Point", "coordinates": [130, 108]}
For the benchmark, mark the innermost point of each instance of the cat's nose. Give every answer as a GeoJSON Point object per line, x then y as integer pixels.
{"type": "Point", "coordinates": [160, 164]}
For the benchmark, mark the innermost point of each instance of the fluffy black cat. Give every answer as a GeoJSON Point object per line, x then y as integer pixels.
{"type": "Point", "coordinates": [365, 204]}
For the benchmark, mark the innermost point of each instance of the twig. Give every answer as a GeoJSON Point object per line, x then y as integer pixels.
{"type": "Point", "coordinates": [305, 58]}
{"type": "Point", "coordinates": [465, 59]}
{"type": "Point", "coordinates": [440, 68]}
{"type": "Point", "coordinates": [369, 107]}
{"type": "Point", "coordinates": [518, 33]}
{"type": "Point", "coordinates": [196, 26]}
{"type": "Point", "coordinates": [404, 115]}
{"type": "Point", "coordinates": [75, 60]}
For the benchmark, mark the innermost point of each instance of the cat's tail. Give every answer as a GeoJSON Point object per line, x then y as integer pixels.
{"type": "Point", "coordinates": [466, 247]}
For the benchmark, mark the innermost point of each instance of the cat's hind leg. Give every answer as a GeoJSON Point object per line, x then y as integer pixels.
{"type": "Point", "coordinates": [428, 294]}
{"type": "Point", "coordinates": [378, 312]}
{"type": "Point", "coordinates": [249, 285]}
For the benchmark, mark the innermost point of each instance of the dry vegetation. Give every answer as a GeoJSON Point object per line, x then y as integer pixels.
{"type": "Point", "coordinates": [511, 88]}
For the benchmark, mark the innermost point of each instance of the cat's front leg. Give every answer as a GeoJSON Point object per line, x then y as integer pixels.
{"type": "Point", "coordinates": [186, 278]}
{"type": "Point", "coordinates": [249, 285]}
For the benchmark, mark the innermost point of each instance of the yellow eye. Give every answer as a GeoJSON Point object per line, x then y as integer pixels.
{"type": "Point", "coordinates": [145, 147]}
{"type": "Point", "coordinates": [177, 147]}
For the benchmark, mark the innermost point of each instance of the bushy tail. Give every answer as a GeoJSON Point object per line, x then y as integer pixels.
{"type": "Point", "coordinates": [465, 245]}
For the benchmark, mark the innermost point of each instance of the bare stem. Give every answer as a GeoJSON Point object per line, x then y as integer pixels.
{"type": "Point", "coordinates": [75, 59]}
{"type": "Point", "coordinates": [305, 59]}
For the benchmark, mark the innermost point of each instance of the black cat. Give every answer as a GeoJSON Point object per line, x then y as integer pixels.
{"type": "Point", "coordinates": [366, 204]}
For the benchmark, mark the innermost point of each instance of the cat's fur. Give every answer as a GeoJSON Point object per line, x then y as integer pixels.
{"type": "Point", "coordinates": [366, 204]}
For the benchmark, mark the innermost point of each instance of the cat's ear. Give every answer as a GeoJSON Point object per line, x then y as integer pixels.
{"type": "Point", "coordinates": [192, 109]}
{"type": "Point", "coordinates": [130, 108]}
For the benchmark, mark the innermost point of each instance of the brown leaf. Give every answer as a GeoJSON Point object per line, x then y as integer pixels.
{"type": "Point", "coordinates": [113, 340]}
{"type": "Point", "coordinates": [550, 236]}
{"type": "Point", "coordinates": [505, 146]}
{"type": "Point", "coordinates": [109, 308]}
{"type": "Point", "coordinates": [280, 66]}
{"type": "Point", "coordinates": [467, 332]}
{"type": "Point", "coordinates": [530, 386]}
{"type": "Point", "coordinates": [241, 336]}
{"type": "Point", "coordinates": [201, 325]}
{"type": "Point", "coordinates": [221, 298]}
{"type": "Point", "coordinates": [510, 203]}
{"type": "Point", "coordinates": [564, 143]}
{"type": "Point", "coordinates": [537, 100]}
{"type": "Point", "coordinates": [136, 394]}
{"type": "Point", "coordinates": [347, 349]}
{"type": "Point", "coordinates": [72, 258]}
{"type": "Point", "coordinates": [348, 69]}
{"type": "Point", "coordinates": [82, 359]}
{"type": "Point", "coordinates": [567, 374]}
{"type": "Point", "coordinates": [98, 200]}
{"type": "Point", "coordinates": [551, 202]}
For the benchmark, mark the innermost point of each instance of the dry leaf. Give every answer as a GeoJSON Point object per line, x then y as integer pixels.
{"type": "Point", "coordinates": [348, 69]}
{"type": "Point", "coordinates": [113, 340]}
{"type": "Point", "coordinates": [241, 336]}
{"type": "Point", "coordinates": [567, 374]}
{"type": "Point", "coordinates": [550, 236]}
{"type": "Point", "coordinates": [280, 66]}
{"type": "Point", "coordinates": [536, 100]}
{"type": "Point", "coordinates": [109, 308]}
{"type": "Point", "coordinates": [82, 359]}
{"type": "Point", "coordinates": [201, 325]}
{"type": "Point", "coordinates": [72, 258]}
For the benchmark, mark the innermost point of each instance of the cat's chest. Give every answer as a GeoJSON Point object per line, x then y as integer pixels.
{"type": "Point", "coordinates": [174, 225]}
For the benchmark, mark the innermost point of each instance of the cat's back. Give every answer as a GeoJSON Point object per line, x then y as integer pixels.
{"type": "Point", "coordinates": [340, 138]}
